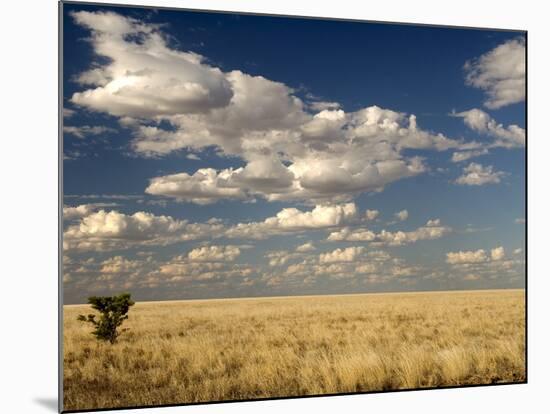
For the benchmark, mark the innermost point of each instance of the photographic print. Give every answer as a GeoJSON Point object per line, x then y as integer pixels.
{"type": "Point", "coordinates": [259, 207]}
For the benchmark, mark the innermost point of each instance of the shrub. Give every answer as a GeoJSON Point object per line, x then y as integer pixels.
{"type": "Point", "coordinates": [113, 311]}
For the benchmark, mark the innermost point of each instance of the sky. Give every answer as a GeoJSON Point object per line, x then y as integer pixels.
{"type": "Point", "coordinates": [211, 155]}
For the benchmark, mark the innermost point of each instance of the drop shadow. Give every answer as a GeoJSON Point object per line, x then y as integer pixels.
{"type": "Point", "coordinates": [49, 403]}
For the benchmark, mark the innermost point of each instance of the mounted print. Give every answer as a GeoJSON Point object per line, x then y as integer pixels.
{"type": "Point", "coordinates": [260, 207]}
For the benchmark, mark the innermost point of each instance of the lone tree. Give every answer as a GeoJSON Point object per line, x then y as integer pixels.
{"type": "Point", "coordinates": [113, 311]}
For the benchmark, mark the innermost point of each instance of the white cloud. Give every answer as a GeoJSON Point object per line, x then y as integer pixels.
{"type": "Point", "coordinates": [519, 220]}
{"type": "Point", "coordinates": [282, 257]}
{"type": "Point", "coordinates": [205, 186]}
{"type": "Point", "coordinates": [290, 220]}
{"type": "Point", "coordinates": [497, 253]}
{"type": "Point", "coordinates": [279, 258]}
{"type": "Point", "coordinates": [83, 210]}
{"type": "Point", "coordinates": [371, 214]}
{"type": "Point", "coordinates": [466, 155]}
{"type": "Point", "coordinates": [432, 230]}
{"type": "Point", "coordinates": [119, 265]}
{"type": "Point", "coordinates": [378, 255]}
{"type": "Point", "coordinates": [480, 121]}
{"type": "Point", "coordinates": [477, 174]}
{"type": "Point", "coordinates": [263, 175]}
{"type": "Point", "coordinates": [181, 269]}
{"type": "Point", "coordinates": [143, 76]}
{"type": "Point", "coordinates": [346, 234]}
{"type": "Point", "coordinates": [80, 211]}
{"type": "Point", "coordinates": [346, 174]}
{"type": "Point", "coordinates": [306, 247]}
{"type": "Point", "coordinates": [259, 119]}
{"type": "Point", "coordinates": [353, 263]}
{"type": "Point", "coordinates": [67, 112]}
{"type": "Point", "coordinates": [349, 254]}
{"type": "Point", "coordinates": [461, 257]}
{"type": "Point", "coordinates": [402, 215]}
{"type": "Point", "coordinates": [104, 230]}
{"type": "Point", "coordinates": [214, 254]}
{"type": "Point", "coordinates": [85, 130]}
{"type": "Point", "coordinates": [192, 156]}
{"type": "Point", "coordinates": [366, 268]}
{"type": "Point", "coordinates": [488, 265]}
{"type": "Point", "coordinates": [500, 73]}
{"type": "Point", "coordinates": [324, 125]}
{"type": "Point", "coordinates": [433, 223]}
{"type": "Point", "coordinates": [319, 106]}
{"type": "Point", "coordinates": [476, 256]}
{"type": "Point", "coordinates": [404, 271]}
{"type": "Point", "coordinates": [288, 152]}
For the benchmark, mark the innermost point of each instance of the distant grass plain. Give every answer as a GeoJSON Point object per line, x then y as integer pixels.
{"type": "Point", "coordinates": [181, 352]}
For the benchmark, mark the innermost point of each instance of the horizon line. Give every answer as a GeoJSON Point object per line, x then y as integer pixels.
{"type": "Point", "coordinates": [235, 298]}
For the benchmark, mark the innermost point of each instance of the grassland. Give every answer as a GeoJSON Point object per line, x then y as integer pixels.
{"type": "Point", "coordinates": [193, 351]}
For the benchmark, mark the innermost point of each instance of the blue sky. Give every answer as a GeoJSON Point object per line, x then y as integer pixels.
{"type": "Point", "coordinates": [219, 155]}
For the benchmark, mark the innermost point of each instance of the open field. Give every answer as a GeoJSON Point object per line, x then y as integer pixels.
{"type": "Point", "coordinates": [192, 351]}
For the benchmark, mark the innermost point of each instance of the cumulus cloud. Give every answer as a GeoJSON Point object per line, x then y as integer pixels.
{"type": "Point", "coordinates": [279, 258]}
{"type": "Point", "coordinates": [460, 257]}
{"type": "Point", "coordinates": [490, 265]}
{"type": "Point", "coordinates": [290, 220]}
{"type": "Point", "coordinates": [103, 230]}
{"type": "Point", "coordinates": [263, 176]}
{"type": "Point", "coordinates": [371, 214]}
{"type": "Point", "coordinates": [143, 76]}
{"type": "Point", "coordinates": [477, 174]}
{"type": "Point", "coordinates": [205, 186]}
{"type": "Point", "coordinates": [214, 254]}
{"type": "Point", "coordinates": [433, 223]}
{"type": "Point", "coordinates": [119, 265]}
{"type": "Point", "coordinates": [497, 253]}
{"type": "Point", "coordinates": [282, 257]}
{"type": "Point", "coordinates": [402, 215]}
{"type": "Point", "coordinates": [480, 121]}
{"type": "Point", "coordinates": [347, 234]}
{"type": "Point", "coordinates": [500, 73]}
{"type": "Point", "coordinates": [475, 256]}
{"type": "Point", "coordinates": [83, 210]}
{"type": "Point", "coordinates": [354, 264]}
{"type": "Point", "coordinates": [181, 269]}
{"type": "Point", "coordinates": [259, 119]}
{"type": "Point", "coordinates": [366, 268]}
{"type": "Point", "coordinates": [289, 153]}
{"type": "Point", "coordinates": [348, 254]}
{"type": "Point", "coordinates": [431, 231]}
{"type": "Point", "coordinates": [80, 211]}
{"type": "Point", "coordinates": [306, 247]}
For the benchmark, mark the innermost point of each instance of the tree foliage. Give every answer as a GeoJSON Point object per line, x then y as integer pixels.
{"type": "Point", "coordinates": [112, 310]}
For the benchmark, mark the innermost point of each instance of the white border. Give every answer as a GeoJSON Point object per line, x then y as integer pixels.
{"type": "Point", "coordinates": [29, 204]}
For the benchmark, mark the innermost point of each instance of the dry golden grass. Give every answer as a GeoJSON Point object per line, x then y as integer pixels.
{"type": "Point", "coordinates": [192, 351]}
